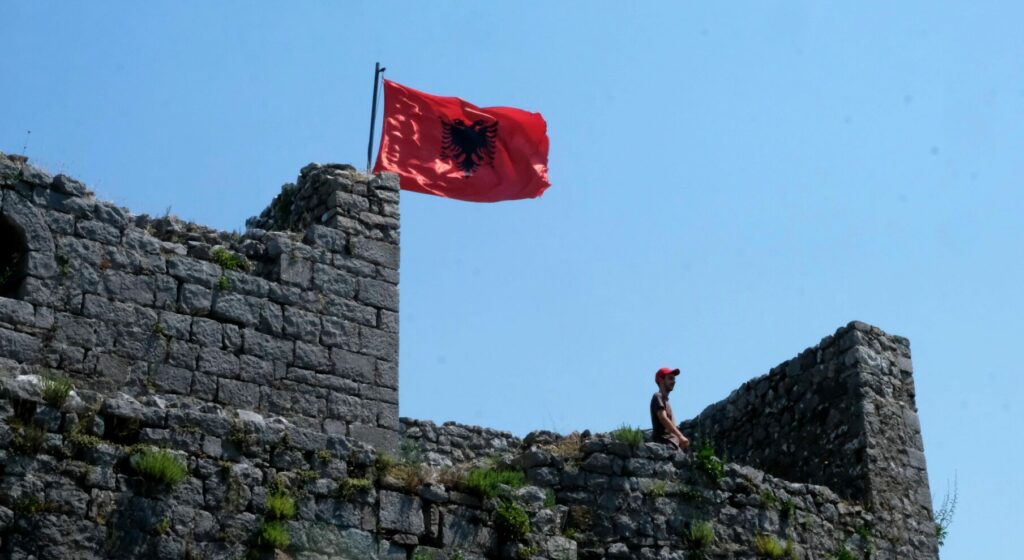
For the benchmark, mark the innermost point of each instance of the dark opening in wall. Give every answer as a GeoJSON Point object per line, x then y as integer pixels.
{"type": "Point", "coordinates": [13, 256]}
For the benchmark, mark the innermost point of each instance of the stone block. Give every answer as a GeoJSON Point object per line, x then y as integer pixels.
{"type": "Point", "coordinates": [173, 379]}
{"type": "Point", "coordinates": [295, 271]}
{"type": "Point", "coordinates": [383, 440]}
{"type": "Point", "coordinates": [193, 271]}
{"type": "Point", "coordinates": [183, 354]}
{"type": "Point", "coordinates": [238, 393]}
{"type": "Point", "coordinates": [271, 318]}
{"type": "Point", "coordinates": [312, 356]}
{"type": "Point", "coordinates": [301, 325]}
{"type": "Point", "coordinates": [387, 321]}
{"type": "Point", "coordinates": [140, 345]}
{"type": "Point", "coordinates": [129, 287]}
{"type": "Point", "coordinates": [378, 294]}
{"type": "Point", "coordinates": [267, 347]}
{"type": "Point", "coordinates": [401, 512]}
{"type": "Point", "coordinates": [235, 308]}
{"type": "Point", "coordinates": [98, 231]}
{"type": "Point", "coordinates": [328, 279]}
{"type": "Point", "coordinates": [378, 343]}
{"type": "Point", "coordinates": [207, 332]}
{"type": "Point", "coordinates": [353, 366]}
{"type": "Point", "coordinates": [338, 333]}
{"type": "Point", "coordinates": [29, 220]}
{"type": "Point", "coordinates": [16, 312]}
{"type": "Point", "coordinates": [195, 299]}
{"type": "Point", "coordinates": [218, 362]}
{"type": "Point", "coordinates": [376, 252]}
{"type": "Point", "coordinates": [328, 238]}
{"type": "Point", "coordinates": [255, 370]}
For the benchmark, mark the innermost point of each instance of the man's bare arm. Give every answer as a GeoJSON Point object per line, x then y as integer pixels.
{"type": "Point", "coordinates": [672, 429]}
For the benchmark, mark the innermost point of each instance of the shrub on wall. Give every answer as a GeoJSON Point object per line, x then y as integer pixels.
{"type": "Point", "coordinates": [629, 435]}
{"type": "Point", "coordinates": [274, 534]}
{"type": "Point", "coordinates": [56, 390]}
{"type": "Point", "coordinates": [485, 482]}
{"type": "Point", "coordinates": [280, 505]}
{"type": "Point", "coordinates": [511, 521]}
{"type": "Point", "coordinates": [159, 465]}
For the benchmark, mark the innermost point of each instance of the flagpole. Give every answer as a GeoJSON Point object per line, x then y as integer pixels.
{"type": "Point", "coordinates": [377, 71]}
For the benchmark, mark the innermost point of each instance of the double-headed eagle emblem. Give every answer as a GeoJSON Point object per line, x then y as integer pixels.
{"type": "Point", "coordinates": [469, 146]}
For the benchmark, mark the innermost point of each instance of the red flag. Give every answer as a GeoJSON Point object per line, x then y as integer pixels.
{"type": "Point", "coordinates": [447, 147]}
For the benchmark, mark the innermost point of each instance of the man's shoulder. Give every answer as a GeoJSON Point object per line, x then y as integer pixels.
{"type": "Point", "coordinates": [657, 399]}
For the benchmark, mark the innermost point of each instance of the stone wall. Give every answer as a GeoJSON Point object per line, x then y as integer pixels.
{"type": "Point", "coordinates": [266, 364]}
{"type": "Point", "coordinates": [297, 318]}
{"type": "Point", "coordinates": [71, 488]}
{"type": "Point", "coordinates": [841, 414]}
{"type": "Point", "coordinates": [452, 443]}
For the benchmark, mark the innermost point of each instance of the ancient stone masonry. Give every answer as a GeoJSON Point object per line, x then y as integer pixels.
{"type": "Point", "coordinates": [297, 318]}
{"type": "Point", "coordinates": [173, 392]}
{"type": "Point", "coordinates": [841, 414]}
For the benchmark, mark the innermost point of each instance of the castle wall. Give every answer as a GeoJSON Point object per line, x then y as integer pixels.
{"type": "Point", "coordinates": [297, 318]}
{"type": "Point", "coordinates": [267, 364]}
{"type": "Point", "coordinates": [70, 489]}
{"type": "Point", "coordinates": [841, 414]}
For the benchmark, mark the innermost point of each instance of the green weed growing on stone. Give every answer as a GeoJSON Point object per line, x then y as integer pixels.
{"type": "Point", "coordinates": [351, 486]}
{"type": "Point", "coordinates": [485, 482]}
{"type": "Point", "coordinates": [527, 551]}
{"type": "Point", "coordinates": [158, 329]}
{"type": "Point", "coordinates": [658, 489]}
{"type": "Point", "coordinates": [843, 553]}
{"type": "Point", "coordinates": [629, 435]}
{"type": "Point", "coordinates": [79, 438]}
{"type": "Point", "coordinates": [28, 440]}
{"type": "Point", "coordinates": [228, 260]}
{"type": "Point", "coordinates": [29, 505]}
{"type": "Point", "coordinates": [163, 526]}
{"type": "Point", "coordinates": [944, 515]}
{"type": "Point", "coordinates": [549, 498]}
{"type": "Point", "coordinates": [788, 509]}
{"type": "Point", "coordinates": [223, 284]}
{"type": "Point", "coordinates": [708, 462]}
{"type": "Point", "coordinates": [159, 465]}
{"type": "Point", "coordinates": [511, 521]}
{"type": "Point", "coordinates": [56, 390]}
{"type": "Point", "coordinates": [274, 534]}
{"type": "Point", "coordinates": [384, 463]}
{"type": "Point", "coordinates": [701, 535]}
{"type": "Point", "coordinates": [768, 546]}
{"type": "Point", "coordinates": [690, 493]}
{"type": "Point", "coordinates": [767, 499]}
{"type": "Point", "coordinates": [63, 265]}
{"type": "Point", "coordinates": [424, 553]}
{"type": "Point", "coordinates": [280, 505]}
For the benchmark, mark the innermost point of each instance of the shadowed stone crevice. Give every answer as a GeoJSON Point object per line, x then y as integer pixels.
{"type": "Point", "coordinates": [13, 257]}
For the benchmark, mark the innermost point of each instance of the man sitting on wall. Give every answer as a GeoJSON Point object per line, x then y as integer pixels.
{"type": "Point", "coordinates": [663, 422]}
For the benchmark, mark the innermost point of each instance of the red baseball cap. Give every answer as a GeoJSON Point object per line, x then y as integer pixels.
{"type": "Point", "coordinates": [665, 372]}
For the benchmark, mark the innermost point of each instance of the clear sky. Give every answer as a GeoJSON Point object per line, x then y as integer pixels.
{"type": "Point", "coordinates": [730, 184]}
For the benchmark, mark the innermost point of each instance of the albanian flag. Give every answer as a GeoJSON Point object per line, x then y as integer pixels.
{"type": "Point", "coordinates": [447, 147]}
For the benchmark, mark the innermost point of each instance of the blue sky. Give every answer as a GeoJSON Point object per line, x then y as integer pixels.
{"type": "Point", "coordinates": [730, 184]}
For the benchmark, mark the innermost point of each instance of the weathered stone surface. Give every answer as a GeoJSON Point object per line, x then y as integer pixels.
{"type": "Point", "coordinates": [400, 512]}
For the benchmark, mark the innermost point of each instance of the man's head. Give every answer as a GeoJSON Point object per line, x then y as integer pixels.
{"type": "Point", "coordinates": [666, 378]}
